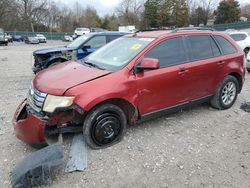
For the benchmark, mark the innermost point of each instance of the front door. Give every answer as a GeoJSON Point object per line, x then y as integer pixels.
{"type": "Point", "coordinates": [169, 85]}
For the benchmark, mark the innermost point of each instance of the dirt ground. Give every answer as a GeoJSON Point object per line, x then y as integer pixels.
{"type": "Point", "coordinates": [197, 147]}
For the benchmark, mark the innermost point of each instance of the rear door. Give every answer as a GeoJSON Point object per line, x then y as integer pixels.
{"type": "Point", "coordinates": [169, 85]}
{"type": "Point", "coordinates": [204, 66]}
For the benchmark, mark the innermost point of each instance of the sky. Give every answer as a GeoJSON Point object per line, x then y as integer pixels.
{"type": "Point", "coordinates": [104, 7]}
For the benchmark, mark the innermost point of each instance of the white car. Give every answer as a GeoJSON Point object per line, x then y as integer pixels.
{"type": "Point", "coordinates": [81, 31]}
{"type": "Point", "coordinates": [248, 62]}
{"type": "Point", "coordinates": [41, 38]}
{"type": "Point", "coordinates": [243, 39]}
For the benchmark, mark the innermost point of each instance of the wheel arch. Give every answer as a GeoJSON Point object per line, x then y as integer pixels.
{"type": "Point", "coordinates": [239, 79]}
{"type": "Point", "coordinates": [128, 108]}
{"type": "Point", "coordinates": [55, 59]}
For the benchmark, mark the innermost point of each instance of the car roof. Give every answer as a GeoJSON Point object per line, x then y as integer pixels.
{"type": "Point", "coordinates": [107, 33]}
{"type": "Point", "coordinates": [165, 33]}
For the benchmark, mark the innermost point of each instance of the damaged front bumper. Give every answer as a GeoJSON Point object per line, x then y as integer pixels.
{"type": "Point", "coordinates": [33, 129]}
{"type": "Point", "coordinates": [28, 127]}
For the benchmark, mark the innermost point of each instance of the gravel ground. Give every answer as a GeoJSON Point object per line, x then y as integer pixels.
{"type": "Point", "coordinates": [197, 147]}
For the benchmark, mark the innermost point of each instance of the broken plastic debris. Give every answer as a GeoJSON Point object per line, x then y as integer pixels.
{"type": "Point", "coordinates": [245, 107]}
{"type": "Point", "coordinates": [78, 154]}
{"type": "Point", "coordinates": [36, 169]}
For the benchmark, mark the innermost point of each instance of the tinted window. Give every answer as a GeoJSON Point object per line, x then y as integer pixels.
{"type": "Point", "coordinates": [238, 37]}
{"type": "Point", "coordinates": [96, 42]}
{"type": "Point", "coordinates": [169, 52]}
{"type": "Point", "coordinates": [200, 47]}
{"type": "Point", "coordinates": [225, 45]}
{"type": "Point", "coordinates": [112, 37]}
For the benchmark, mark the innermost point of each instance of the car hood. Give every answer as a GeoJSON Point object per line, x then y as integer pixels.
{"type": "Point", "coordinates": [57, 79]}
{"type": "Point", "coordinates": [50, 50]}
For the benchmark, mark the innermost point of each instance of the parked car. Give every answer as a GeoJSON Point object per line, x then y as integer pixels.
{"type": "Point", "coordinates": [79, 48]}
{"type": "Point", "coordinates": [81, 31]}
{"type": "Point", "coordinates": [18, 38]}
{"type": "Point", "coordinates": [3, 39]}
{"type": "Point", "coordinates": [248, 62]}
{"type": "Point", "coordinates": [67, 38]}
{"type": "Point", "coordinates": [94, 30]}
{"type": "Point", "coordinates": [243, 39]}
{"type": "Point", "coordinates": [9, 37]}
{"type": "Point", "coordinates": [131, 79]}
{"type": "Point", "coordinates": [31, 40]}
{"type": "Point", "coordinates": [41, 38]}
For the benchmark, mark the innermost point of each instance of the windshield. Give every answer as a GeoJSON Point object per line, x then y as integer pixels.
{"type": "Point", "coordinates": [79, 41]}
{"type": "Point", "coordinates": [118, 53]}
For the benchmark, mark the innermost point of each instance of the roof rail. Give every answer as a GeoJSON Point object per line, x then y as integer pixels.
{"type": "Point", "coordinates": [194, 28]}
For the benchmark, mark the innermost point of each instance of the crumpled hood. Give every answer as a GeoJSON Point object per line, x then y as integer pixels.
{"type": "Point", "coordinates": [57, 79]}
{"type": "Point", "coordinates": [52, 50]}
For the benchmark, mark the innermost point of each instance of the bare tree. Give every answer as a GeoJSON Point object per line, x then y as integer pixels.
{"type": "Point", "coordinates": [31, 11]}
{"type": "Point", "coordinates": [245, 11]}
{"type": "Point", "coordinates": [129, 11]}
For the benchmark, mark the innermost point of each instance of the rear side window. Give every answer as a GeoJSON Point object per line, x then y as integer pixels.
{"type": "Point", "coordinates": [202, 47]}
{"type": "Point", "coordinates": [225, 45]}
{"type": "Point", "coordinates": [238, 37]}
{"type": "Point", "coordinates": [170, 52]}
{"type": "Point", "coordinates": [112, 37]}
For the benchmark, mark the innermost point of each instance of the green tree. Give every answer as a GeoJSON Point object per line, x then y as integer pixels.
{"type": "Point", "coordinates": [228, 11]}
{"type": "Point", "coordinates": [180, 13]}
{"type": "Point", "coordinates": [151, 13]}
{"type": "Point", "coordinates": [198, 16]}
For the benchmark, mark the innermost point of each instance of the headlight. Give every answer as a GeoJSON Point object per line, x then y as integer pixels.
{"type": "Point", "coordinates": [53, 102]}
{"type": "Point", "coordinates": [6, 39]}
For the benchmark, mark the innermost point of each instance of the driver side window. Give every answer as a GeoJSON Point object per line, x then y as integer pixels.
{"type": "Point", "coordinates": [170, 52]}
{"type": "Point", "coordinates": [96, 42]}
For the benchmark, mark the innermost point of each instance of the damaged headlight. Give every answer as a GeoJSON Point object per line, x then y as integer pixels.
{"type": "Point", "coordinates": [53, 102]}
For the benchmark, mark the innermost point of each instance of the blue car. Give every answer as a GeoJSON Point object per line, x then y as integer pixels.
{"type": "Point", "coordinates": [78, 49]}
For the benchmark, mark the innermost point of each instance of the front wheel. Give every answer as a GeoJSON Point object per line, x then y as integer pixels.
{"type": "Point", "coordinates": [104, 126]}
{"type": "Point", "coordinates": [226, 93]}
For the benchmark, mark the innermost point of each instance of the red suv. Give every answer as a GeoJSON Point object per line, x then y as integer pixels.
{"type": "Point", "coordinates": [133, 78]}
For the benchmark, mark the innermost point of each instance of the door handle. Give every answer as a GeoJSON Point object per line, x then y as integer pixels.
{"type": "Point", "coordinates": [183, 70]}
{"type": "Point", "coordinates": [221, 62]}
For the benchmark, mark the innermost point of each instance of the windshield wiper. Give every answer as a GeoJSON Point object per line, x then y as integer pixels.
{"type": "Point", "coordinates": [93, 65]}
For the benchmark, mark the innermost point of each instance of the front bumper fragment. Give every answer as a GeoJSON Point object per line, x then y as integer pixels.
{"type": "Point", "coordinates": [28, 127]}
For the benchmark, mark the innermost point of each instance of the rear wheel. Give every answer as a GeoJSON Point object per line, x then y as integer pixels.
{"type": "Point", "coordinates": [104, 126]}
{"type": "Point", "coordinates": [226, 94]}
{"type": "Point", "coordinates": [248, 70]}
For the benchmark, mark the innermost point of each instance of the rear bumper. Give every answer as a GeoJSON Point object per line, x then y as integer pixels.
{"type": "Point", "coordinates": [28, 127]}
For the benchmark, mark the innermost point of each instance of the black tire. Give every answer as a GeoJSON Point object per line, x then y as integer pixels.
{"type": "Point", "coordinates": [222, 93]}
{"type": "Point", "coordinates": [248, 70]}
{"type": "Point", "coordinates": [104, 126]}
{"type": "Point", "coordinates": [38, 146]}
{"type": "Point", "coordinates": [246, 50]}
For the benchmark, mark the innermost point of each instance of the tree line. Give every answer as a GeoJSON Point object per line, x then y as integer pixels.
{"type": "Point", "coordinates": [46, 15]}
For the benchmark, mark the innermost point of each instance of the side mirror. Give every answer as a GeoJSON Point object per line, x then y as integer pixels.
{"type": "Point", "coordinates": [86, 47]}
{"type": "Point", "coordinates": [148, 64]}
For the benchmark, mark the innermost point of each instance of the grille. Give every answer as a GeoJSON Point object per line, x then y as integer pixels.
{"type": "Point", "coordinates": [36, 99]}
